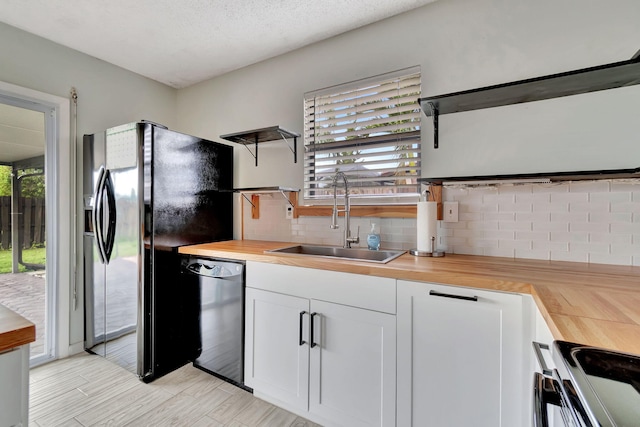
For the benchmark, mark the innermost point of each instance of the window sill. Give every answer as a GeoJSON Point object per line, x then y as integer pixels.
{"type": "Point", "coordinates": [389, 211]}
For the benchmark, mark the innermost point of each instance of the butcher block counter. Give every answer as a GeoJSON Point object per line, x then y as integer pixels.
{"type": "Point", "coordinates": [593, 304]}
{"type": "Point", "coordinates": [15, 330]}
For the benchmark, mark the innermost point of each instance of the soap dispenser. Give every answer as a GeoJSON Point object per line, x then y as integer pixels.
{"type": "Point", "coordinates": [373, 238]}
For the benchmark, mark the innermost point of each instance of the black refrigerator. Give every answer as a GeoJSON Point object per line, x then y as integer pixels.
{"type": "Point", "coordinates": [147, 191]}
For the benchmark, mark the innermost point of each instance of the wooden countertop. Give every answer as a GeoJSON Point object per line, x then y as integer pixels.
{"type": "Point", "coordinates": [593, 304]}
{"type": "Point", "coordinates": [15, 330]}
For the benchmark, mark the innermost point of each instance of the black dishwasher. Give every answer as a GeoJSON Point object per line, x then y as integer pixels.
{"type": "Point", "coordinates": [221, 317]}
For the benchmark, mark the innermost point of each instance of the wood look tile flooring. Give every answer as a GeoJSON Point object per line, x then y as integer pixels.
{"type": "Point", "coordinates": [86, 390]}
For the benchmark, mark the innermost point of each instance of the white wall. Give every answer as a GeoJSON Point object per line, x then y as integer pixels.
{"type": "Point", "coordinates": [460, 44]}
{"type": "Point", "coordinates": [107, 96]}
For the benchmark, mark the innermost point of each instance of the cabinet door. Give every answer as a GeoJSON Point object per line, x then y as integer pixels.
{"type": "Point", "coordinates": [353, 363]}
{"type": "Point", "coordinates": [275, 362]}
{"type": "Point", "coordinates": [460, 361]}
{"type": "Point", "coordinates": [13, 386]}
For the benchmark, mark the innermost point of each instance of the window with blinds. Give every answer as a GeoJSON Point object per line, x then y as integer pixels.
{"type": "Point", "coordinates": [369, 130]}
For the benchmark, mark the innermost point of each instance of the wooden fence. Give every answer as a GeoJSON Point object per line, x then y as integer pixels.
{"type": "Point", "coordinates": [31, 221]}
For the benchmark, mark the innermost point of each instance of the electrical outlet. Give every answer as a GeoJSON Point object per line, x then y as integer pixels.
{"type": "Point", "coordinates": [450, 212]}
{"type": "Point", "coordinates": [288, 212]}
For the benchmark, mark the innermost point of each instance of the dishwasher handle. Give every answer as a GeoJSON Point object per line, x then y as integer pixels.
{"type": "Point", "coordinates": [214, 270]}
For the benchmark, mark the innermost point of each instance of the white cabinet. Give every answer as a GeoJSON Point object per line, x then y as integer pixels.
{"type": "Point", "coordinates": [14, 386]}
{"type": "Point", "coordinates": [460, 357]}
{"type": "Point", "coordinates": [311, 351]}
{"type": "Point", "coordinates": [276, 364]}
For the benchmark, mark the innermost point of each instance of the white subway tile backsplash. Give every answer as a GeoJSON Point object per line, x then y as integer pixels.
{"type": "Point", "coordinates": [569, 197]}
{"type": "Point", "coordinates": [611, 217]}
{"type": "Point", "coordinates": [471, 216]}
{"type": "Point", "coordinates": [482, 225]}
{"type": "Point", "coordinates": [590, 247]}
{"type": "Point", "coordinates": [532, 235]}
{"type": "Point", "coordinates": [550, 226]}
{"type": "Point", "coordinates": [502, 235]}
{"type": "Point", "coordinates": [522, 245]}
{"type": "Point", "coordinates": [531, 253]}
{"type": "Point", "coordinates": [499, 216]}
{"type": "Point", "coordinates": [610, 197]}
{"type": "Point", "coordinates": [597, 221]}
{"type": "Point", "coordinates": [598, 258]}
{"type": "Point", "coordinates": [516, 225]}
{"type": "Point", "coordinates": [625, 227]}
{"type": "Point", "coordinates": [631, 207]}
{"type": "Point", "coordinates": [533, 198]}
{"type": "Point", "coordinates": [533, 216]}
{"type": "Point", "coordinates": [499, 198]}
{"type": "Point", "coordinates": [589, 207]}
{"type": "Point", "coordinates": [500, 252]}
{"type": "Point", "coordinates": [569, 217]}
{"type": "Point", "coordinates": [610, 238]}
{"type": "Point", "coordinates": [569, 256]}
{"type": "Point", "coordinates": [566, 236]}
{"type": "Point", "coordinates": [554, 206]}
{"type": "Point", "coordinates": [595, 227]}
{"type": "Point", "coordinates": [540, 245]}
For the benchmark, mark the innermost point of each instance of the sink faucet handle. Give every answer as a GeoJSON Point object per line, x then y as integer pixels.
{"type": "Point", "coordinates": [352, 239]}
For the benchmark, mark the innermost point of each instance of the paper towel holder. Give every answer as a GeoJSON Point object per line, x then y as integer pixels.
{"type": "Point", "coordinates": [431, 253]}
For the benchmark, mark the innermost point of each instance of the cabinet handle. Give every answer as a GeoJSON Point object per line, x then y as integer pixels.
{"type": "Point", "coordinates": [440, 294]}
{"type": "Point", "coordinates": [313, 344]}
{"type": "Point", "coordinates": [300, 340]}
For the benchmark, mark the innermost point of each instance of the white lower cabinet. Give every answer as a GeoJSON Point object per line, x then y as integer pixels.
{"type": "Point", "coordinates": [330, 362]}
{"type": "Point", "coordinates": [352, 370]}
{"type": "Point", "coordinates": [14, 386]}
{"type": "Point", "coordinates": [275, 362]}
{"type": "Point", "coordinates": [460, 357]}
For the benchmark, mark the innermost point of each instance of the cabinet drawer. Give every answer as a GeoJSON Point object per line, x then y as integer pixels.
{"type": "Point", "coordinates": [357, 290]}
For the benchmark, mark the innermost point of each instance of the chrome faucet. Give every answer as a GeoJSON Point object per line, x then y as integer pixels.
{"type": "Point", "coordinates": [348, 240]}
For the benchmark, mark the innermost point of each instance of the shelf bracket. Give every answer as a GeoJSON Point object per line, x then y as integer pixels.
{"type": "Point", "coordinates": [248, 200]}
{"type": "Point", "coordinates": [246, 145]}
{"type": "Point", "coordinates": [294, 150]}
{"type": "Point", "coordinates": [287, 199]}
{"type": "Point", "coordinates": [434, 116]}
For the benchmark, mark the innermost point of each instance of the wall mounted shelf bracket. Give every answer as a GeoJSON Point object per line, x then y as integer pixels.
{"type": "Point", "coordinates": [254, 200]}
{"type": "Point", "coordinates": [257, 136]}
{"type": "Point", "coordinates": [585, 80]}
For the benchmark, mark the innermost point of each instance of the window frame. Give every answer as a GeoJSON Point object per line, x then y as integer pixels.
{"type": "Point", "coordinates": [393, 141]}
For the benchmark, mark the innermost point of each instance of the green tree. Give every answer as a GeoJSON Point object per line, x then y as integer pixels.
{"type": "Point", "coordinates": [5, 180]}
{"type": "Point", "coordinates": [32, 186]}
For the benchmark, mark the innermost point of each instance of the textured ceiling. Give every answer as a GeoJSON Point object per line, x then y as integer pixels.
{"type": "Point", "coordinates": [182, 42]}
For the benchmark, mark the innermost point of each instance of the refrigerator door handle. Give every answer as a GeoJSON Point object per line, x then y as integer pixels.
{"type": "Point", "coordinates": [111, 212]}
{"type": "Point", "coordinates": [98, 214]}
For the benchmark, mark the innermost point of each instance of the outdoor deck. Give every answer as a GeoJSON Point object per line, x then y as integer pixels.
{"type": "Point", "coordinates": [24, 293]}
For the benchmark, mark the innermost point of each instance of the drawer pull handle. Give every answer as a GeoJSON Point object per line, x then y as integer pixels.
{"type": "Point", "coordinates": [313, 343]}
{"type": "Point", "coordinates": [300, 340]}
{"type": "Point", "coordinates": [440, 294]}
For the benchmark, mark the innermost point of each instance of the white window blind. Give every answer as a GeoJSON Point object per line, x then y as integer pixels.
{"type": "Point", "coordinates": [369, 130]}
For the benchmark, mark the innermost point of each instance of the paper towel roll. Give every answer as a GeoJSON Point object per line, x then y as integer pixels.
{"type": "Point", "coordinates": [426, 224]}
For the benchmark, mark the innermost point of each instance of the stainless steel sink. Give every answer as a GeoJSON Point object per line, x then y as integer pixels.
{"type": "Point", "coordinates": [356, 254]}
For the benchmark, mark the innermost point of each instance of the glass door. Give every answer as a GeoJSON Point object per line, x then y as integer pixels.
{"type": "Point", "coordinates": [26, 282]}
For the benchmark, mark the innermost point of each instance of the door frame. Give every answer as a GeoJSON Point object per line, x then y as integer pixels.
{"type": "Point", "coordinates": [60, 164]}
